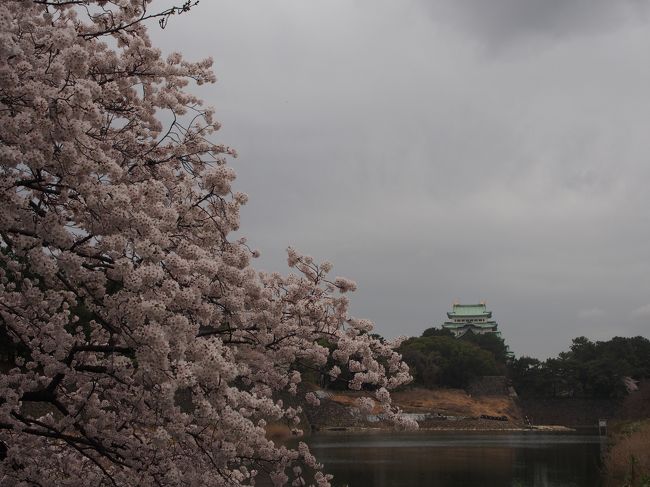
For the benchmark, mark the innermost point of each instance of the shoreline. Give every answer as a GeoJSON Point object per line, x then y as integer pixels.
{"type": "Point", "coordinates": [363, 429]}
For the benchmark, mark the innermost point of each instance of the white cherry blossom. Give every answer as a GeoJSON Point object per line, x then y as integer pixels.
{"type": "Point", "coordinates": [141, 348]}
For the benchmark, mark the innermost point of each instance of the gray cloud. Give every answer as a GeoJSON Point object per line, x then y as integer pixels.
{"type": "Point", "coordinates": [591, 313]}
{"type": "Point", "coordinates": [508, 23]}
{"type": "Point", "coordinates": [393, 143]}
{"type": "Point", "coordinates": [641, 312]}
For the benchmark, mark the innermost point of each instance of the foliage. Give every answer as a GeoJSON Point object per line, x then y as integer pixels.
{"type": "Point", "coordinates": [438, 359]}
{"type": "Point", "coordinates": [491, 342]}
{"type": "Point", "coordinates": [588, 369]}
{"type": "Point", "coordinates": [437, 332]}
{"type": "Point", "coordinates": [446, 361]}
{"type": "Point", "coordinates": [143, 348]}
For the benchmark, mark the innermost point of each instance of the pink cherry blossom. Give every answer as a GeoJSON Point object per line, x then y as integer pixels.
{"type": "Point", "coordinates": [143, 349]}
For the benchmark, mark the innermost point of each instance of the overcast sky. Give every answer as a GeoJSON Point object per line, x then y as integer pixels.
{"type": "Point", "coordinates": [438, 150]}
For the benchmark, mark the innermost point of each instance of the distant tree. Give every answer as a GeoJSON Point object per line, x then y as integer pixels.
{"type": "Point", "coordinates": [587, 369]}
{"type": "Point", "coordinates": [635, 351]}
{"type": "Point", "coordinates": [526, 375]}
{"type": "Point", "coordinates": [490, 342]}
{"type": "Point", "coordinates": [437, 332]}
{"type": "Point", "coordinates": [424, 367]}
{"type": "Point", "coordinates": [446, 361]}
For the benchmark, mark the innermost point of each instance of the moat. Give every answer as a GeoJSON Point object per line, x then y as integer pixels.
{"type": "Point", "coordinates": [459, 459]}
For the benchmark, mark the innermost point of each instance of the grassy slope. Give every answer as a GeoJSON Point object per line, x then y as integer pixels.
{"type": "Point", "coordinates": [628, 459]}
{"type": "Point", "coordinates": [447, 402]}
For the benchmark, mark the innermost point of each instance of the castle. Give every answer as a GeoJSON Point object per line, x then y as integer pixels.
{"type": "Point", "coordinates": [474, 318]}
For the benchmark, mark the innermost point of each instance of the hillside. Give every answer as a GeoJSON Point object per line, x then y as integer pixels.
{"type": "Point", "coordinates": [435, 409]}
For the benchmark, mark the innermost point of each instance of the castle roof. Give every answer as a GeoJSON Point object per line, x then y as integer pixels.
{"type": "Point", "coordinates": [466, 310]}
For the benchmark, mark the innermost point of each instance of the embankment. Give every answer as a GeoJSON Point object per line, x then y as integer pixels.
{"type": "Point", "coordinates": [435, 409]}
{"type": "Point", "coordinates": [571, 412]}
{"type": "Point", "coordinates": [628, 458]}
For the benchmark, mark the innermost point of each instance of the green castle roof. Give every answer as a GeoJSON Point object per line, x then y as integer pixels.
{"type": "Point", "coordinates": [488, 324]}
{"type": "Point", "coordinates": [469, 310]}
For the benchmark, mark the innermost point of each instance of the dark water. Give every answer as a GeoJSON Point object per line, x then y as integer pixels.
{"type": "Point", "coordinates": [456, 459]}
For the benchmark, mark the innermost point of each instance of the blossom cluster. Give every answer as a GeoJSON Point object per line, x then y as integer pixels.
{"type": "Point", "coordinates": [142, 347]}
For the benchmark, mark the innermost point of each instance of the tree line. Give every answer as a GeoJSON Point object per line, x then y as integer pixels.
{"type": "Point", "coordinates": [588, 369]}
{"type": "Point", "coordinates": [438, 359]}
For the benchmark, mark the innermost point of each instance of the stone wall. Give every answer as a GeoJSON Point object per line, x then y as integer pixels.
{"type": "Point", "coordinates": [572, 412]}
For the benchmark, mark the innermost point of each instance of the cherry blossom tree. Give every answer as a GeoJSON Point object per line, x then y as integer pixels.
{"type": "Point", "coordinates": [139, 346]}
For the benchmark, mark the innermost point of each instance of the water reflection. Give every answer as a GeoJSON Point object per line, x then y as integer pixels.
{"type": "Point", "coordinates": [452, 459]}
